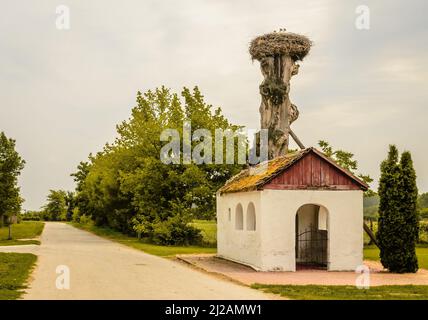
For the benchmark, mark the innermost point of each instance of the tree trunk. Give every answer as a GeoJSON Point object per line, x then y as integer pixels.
{"type": "Point", "coordinates": [10, 232]}
{"type": "Point", "coordinates": [276, 110]}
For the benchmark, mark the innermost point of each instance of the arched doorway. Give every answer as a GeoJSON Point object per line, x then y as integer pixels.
{"type": "Point", "coordinates": [312, 237]}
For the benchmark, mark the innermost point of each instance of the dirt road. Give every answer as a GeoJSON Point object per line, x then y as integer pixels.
{"type": "Point", "coordinates": [102, 269]}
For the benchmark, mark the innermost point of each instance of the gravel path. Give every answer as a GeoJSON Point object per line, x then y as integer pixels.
{"type": "Point", "coordinates": [102, 269]}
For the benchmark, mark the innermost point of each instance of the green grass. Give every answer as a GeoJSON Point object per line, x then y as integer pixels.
{"type": "Point", "coordinates": [315, 292]}
{"type": "Point", "coordinates": [423, 235]}
{"type": "Point", "coordinates": [208, 229]}
{"type": "Point", "coordinates": [18, 242]}
{"type": "Point", "coordinates": [372, 253]}
{"type": "Point", "coordinates": [163, 251]}
{"type": "Point", "coordinates": [14, 271]}
{"type": "Point", "coordinates": [25, 230]}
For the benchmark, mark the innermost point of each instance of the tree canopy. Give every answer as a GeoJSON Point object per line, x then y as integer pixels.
{"type": "Point", "coordinates": [11, 165]}
{"type": "Point", "coordinates": [55, 208]}
{"type": "Point", "coordinates": [126, 186]}
{"type": "Point", "coordinates": [346, 160]}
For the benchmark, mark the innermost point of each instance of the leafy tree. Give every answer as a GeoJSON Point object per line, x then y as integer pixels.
{"type": "Point", "coordinates": [410, 228]}
{"type": "Point", "coordinates": [81, 173]}
{"type": "Point", "coordinates": [11, 165]}
{"type": "Point", "coordinates": [423, 200]}
{"type": "Point", "coordinates": [389, 205]}
{"type": "Point", "coordinates": [398, 225]}
{"type": "Point", "coordinates": [81, 200]}
{"type": "Point", "coordinates": [70, 201]}
{"type": "Point", "coordinates": [32, 216]}
{"type": "Point", "coordinates": [346, 160]}
{"type": "Point", "coordinates": [56, 207]}
{"type": "Point", "coordinates": [127, 187]}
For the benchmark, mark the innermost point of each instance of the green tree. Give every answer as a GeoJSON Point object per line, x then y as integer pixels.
{"type": "Point", "coordinates": [397, 224]}
{"type": "Point", "coordinates": [346, 160]}
{"type": "Point", "coordinates": [70, 201]}
{"type": "Point", "coordinates": [126, 186]}
{"type": "Point", "coordinates": [11, 165]}
{"type": "Point", "coordinates": [80, 175]}
{"type": "Point", "coordinates": [56, 206]}
{"type": "Point", "coordinates": [423, 200]}
{"type": "Point", "coordinates": [409, 201]}
{"type": "Point", "coordinates": [81, 200]}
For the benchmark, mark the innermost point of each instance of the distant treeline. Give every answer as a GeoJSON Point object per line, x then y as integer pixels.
{"type": "Point", "coordinates": [371, 206]}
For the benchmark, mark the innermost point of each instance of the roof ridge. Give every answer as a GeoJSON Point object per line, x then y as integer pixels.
{"type": "Point", "coordinates": [250, 179]}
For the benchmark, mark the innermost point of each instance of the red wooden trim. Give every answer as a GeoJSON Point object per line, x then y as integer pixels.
{"type": "Point", "coordinates": [311, 172]}
{"type": "Point", "coordinates": [346, 172]}
{"type": "Point", "coordinates": [308, 187]}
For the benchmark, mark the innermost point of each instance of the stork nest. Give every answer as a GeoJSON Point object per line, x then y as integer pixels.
{"type": "Point", "coordinates": [279, 43]}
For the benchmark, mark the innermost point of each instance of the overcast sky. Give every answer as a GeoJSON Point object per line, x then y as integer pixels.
{"type": "Point", "coordinates": [63, 91]}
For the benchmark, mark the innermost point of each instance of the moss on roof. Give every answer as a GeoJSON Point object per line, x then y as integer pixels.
{"type": "Point", "coordinates": [252, 178]}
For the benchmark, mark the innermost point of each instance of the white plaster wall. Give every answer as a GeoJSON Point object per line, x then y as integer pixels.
{"type": "Point", "coordinates": [345, 227]}
{"type": "Point", "coordinates": [238, 245]}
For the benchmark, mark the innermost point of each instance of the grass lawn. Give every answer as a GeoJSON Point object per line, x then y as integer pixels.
{"type": "Point", "coordinates": [14, 271]}
{"type": "Point", "coordinates": [18, 242]}
{"type": "Point", "coordinates": [372, 253]}
{"type": "Point", "coordinates": [25, 230]}
{"type": "Point", "coordinates": [315, 292]}
{"type": "Point", "coordinates": [163, 251]}
{"type": "Point", "coordinates": [208, 229]}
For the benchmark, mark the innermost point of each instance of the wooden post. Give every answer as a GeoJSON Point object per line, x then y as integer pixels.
{"type": "Point", "coordinates": [296, 139]}
{"type": "Point", "coordinates": [10, 231]}
{"type": "Point", "coordinates": [370, 234]}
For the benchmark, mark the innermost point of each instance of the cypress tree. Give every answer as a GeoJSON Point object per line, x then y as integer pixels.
{"type": "Point", "coordinates": [398, 222]}
{"type": "Point", "coordinates": [410, 228]}
{"type": "Point", "coordinates": [388, 207]}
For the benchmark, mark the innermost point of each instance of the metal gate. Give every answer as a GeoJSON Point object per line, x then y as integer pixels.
{"type": "Point", "coordinates": [311, 248]}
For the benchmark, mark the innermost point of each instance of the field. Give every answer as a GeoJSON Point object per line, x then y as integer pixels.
{"type": "Point", "coordinates": [208, 229]}
{"type": "Point", "coordinates": [14, 271]}
{"type": "Point", "coordinates": [22, 233]}
{"type": "Point", "coordinates": [423, 231]}
{"type": "Point", "coordinates": [372, 253]}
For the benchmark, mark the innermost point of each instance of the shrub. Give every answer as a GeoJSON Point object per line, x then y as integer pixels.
{"type": "Point", "coordinates": [31, 216]}
{"type": "Point", "coordinates": [76, 215]}
{"type": "Point", "coordinates": [175, 231]}
{"type": "Point", "coordinates": [423, 213]}
{"type": "Point", "coordinates": [423, 232]}
{"type": "Point", "coordinates": [423, 227]}
{"type": "Point", "coordinates": [84, 219]}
